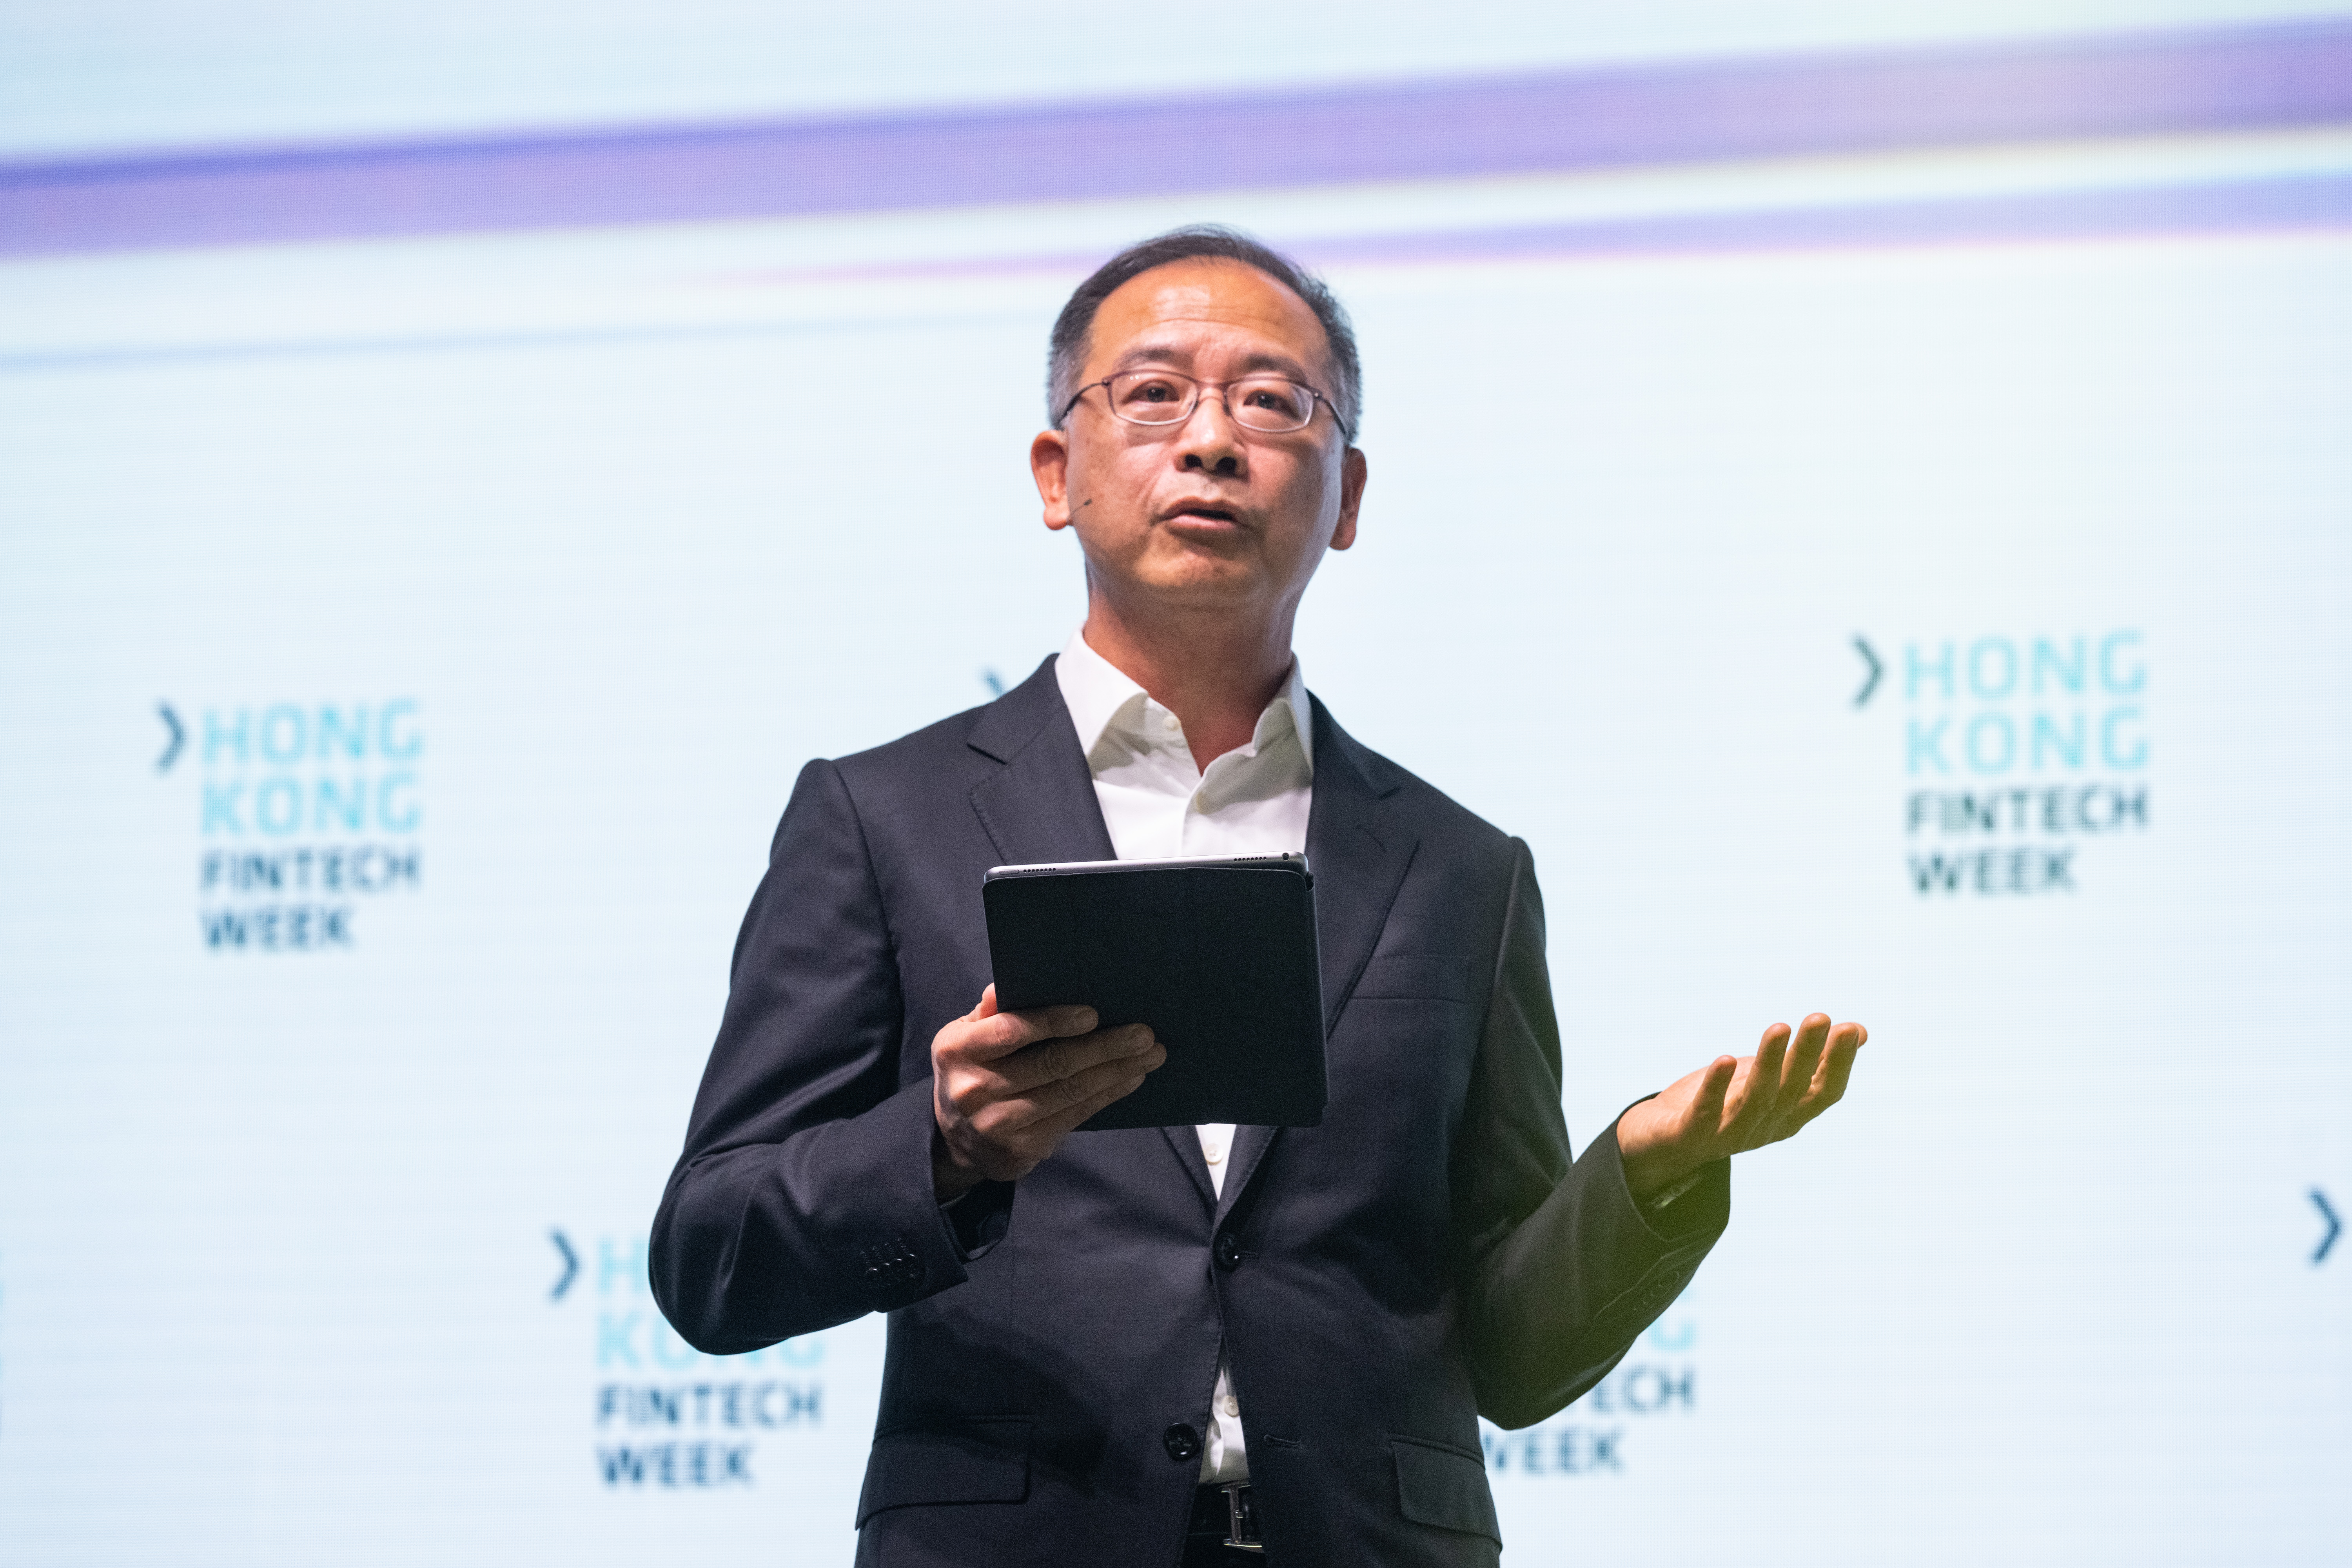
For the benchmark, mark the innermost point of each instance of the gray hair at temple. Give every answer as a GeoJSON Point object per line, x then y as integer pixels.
{"type": "Point", "coordinates": [1066, 353]}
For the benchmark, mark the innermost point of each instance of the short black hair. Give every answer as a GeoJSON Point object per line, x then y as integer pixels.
{"type": "Point", "coordinates": [1067, 350]}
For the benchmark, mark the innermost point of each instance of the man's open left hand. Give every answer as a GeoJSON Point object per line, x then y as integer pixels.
{"type": "Point", "coordinates": [1735, 1104]}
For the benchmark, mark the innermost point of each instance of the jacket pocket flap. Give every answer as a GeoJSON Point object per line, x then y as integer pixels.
{"type": "Point", "coordinates": [983, 1461]}
{"type": "Point", "coordinates": [1445, 1487]}
{"type": "Point", "coordinates": [1441, 977]}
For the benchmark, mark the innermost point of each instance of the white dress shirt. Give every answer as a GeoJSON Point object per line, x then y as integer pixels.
{"type": "Point", "coordinates": [1158, 805]}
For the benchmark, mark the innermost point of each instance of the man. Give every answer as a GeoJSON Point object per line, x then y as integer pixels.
{"type": "Point", "coordinates": [1138, 1347]}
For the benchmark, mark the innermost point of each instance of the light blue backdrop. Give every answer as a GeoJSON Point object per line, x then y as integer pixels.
{"type": "Point", "coordinates": [1904, 577]}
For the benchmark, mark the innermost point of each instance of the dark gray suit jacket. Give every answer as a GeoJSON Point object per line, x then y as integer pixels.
{"type": "Point", "coordinates": [1429, 1254]}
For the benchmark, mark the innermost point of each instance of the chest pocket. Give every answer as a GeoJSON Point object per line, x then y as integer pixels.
{"type": "Point", "coordinates": [1431, 977]}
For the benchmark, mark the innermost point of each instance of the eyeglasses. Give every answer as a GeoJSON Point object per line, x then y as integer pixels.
{"type": "Point", "coordinates": [1271, 405]}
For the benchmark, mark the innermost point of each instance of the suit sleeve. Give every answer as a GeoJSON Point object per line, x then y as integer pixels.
{"type": "Point", "coordinates": [1560, 1270]}
{"type": "Point", "coordinates": [803, 1197]}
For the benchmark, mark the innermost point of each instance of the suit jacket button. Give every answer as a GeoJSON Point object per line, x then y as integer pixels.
{"type": "Point", "coordinates": [1229, 1252]}
{"type": "Point", "coordinates": [1181, 1442]}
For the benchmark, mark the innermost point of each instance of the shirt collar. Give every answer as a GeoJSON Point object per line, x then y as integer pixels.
{"type": "Point", "coordinates": [1100, 697]}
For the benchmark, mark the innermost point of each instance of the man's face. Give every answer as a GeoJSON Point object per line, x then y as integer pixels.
{"type": "Point", "coordinates": [1207, 515]}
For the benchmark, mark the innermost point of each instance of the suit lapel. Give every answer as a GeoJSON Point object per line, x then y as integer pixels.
{"type": "Point", "coordinates": [1040, 806]}
{"type": "Point", "coordinates": [1357, 846]}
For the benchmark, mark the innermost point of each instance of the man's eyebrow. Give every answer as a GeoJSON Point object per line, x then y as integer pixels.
{"type": "Point", "coordinates": [1172, 354]}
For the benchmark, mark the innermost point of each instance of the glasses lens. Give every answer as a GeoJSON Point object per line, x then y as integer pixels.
{"type": "Point", "coordinates": [1151, 396]}
{"type": "Point", "coordinates": [1268, 404]}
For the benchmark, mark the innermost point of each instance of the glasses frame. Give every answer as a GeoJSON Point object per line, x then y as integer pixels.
{"type": "Point", "coordinates": [1320, 399]}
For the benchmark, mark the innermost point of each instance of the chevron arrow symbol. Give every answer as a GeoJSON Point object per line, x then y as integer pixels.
{"type": "Point", "coordinates": [1876, 669]}
{"type": "Point", "coordinates": [2335, 1226]}
{"type": "Point", "coordinates": [172, 750]}
{"type": "Point", "coordinates": [570, 1266]}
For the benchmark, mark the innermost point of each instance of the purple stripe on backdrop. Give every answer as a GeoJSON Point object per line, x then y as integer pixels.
{"type": "Point", "coordinates": [1563, 121]}
{"type": "Point", "coordinates": [2318, 204]}
{"type": "Point", "coordinates": [2273, 205]}
{"type": "Point", "coordinates": [2269, 206]}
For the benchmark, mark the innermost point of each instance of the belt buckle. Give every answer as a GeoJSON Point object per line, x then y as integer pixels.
{"type": "Point", "coordinates": [1240, 1518]}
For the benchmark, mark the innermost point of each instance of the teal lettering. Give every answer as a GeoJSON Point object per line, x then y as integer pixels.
{"type": "Point", "coordinates": [2065, 745]}
{"type": "Point", "coordinates": [349, 731]}
{"type": "Point", "coordinates": [2119, 749]}
{"type": "Point", "coordinates": [397, 734]}
{"type": "Point", "coordinates": [2127, 681]}
{"type": "Point", "coordinates": [1997, 725]}
{"type": "Point", "coordinates": [2003, 686]}
{"type": "Point", "coordinates": [278, 805]}
{"type": "Point", "coordinates": [616, 1337]}
{"type": "Point", "coordinates": [219, 738]}
{"type": "Point", "coordinates": [400, 816]}
{"type": "Point", "coordinates": [338, 806]}
{"type": "Point", "coordinates": [1915, 669]}
{"type": "Point", "coordinates": [1926, 744]}
{"type": "Point", "coordinates": [221, 802]}
{"type": "Point", "coordinates": [2047, 660]}
{"type": "Point", "coordinates": [285, 735]}
{"type": "Point", "coordinates": [616, 1265]}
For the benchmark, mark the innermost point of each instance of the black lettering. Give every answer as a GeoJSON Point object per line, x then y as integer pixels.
{"type": "Point", "coordinates": [677, 1464]}
{"type": "Point", "coordinates": [1932, 871]}
{"type": "Point", "coordinates": [277, 928]}
{"type": "Point", "coordinates": [1649, 1389]}
{"type": "Point", "coordinates": [703, 1404]}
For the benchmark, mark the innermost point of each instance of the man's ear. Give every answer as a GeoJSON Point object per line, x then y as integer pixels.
{"type": "Point", "coordinates": [1353, 472]}
{"type": "Point", "coordinates": [1049, 464]}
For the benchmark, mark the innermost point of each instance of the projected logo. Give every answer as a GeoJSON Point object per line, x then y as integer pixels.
{"type": "Point", "coordinates": [307, 813]}
{"type": "Point", "coordinates": [664, 1415]}
{"type": "Point", "coordinates": [2019, 755]}
{"type": "Point", "coordinates": [1657, 1381]}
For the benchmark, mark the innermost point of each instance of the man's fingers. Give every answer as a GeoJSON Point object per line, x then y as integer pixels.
{"type": "Point", "coordinates": [1033, 1070]}
{"type": "Point", "coordinates": [1077, 1019]}
{"type": "Point", "coordinates": [1707, 1103]}
{"type": "Point", "coordinates": [1837, 1068]}
{"type": "Point", "coordinates": [1789, 1110]}
{"type": "Point", "coordinates": [1053, 1128]}
{"type": "Point", "coordinates": [1041, 1105]}
{"type": "Point", "coordinates": [1804, 1059]}
{"type": "Point", "coordinates": [1753, 1105]}
{"type": "Point", "coordinates": [1002, 1034]}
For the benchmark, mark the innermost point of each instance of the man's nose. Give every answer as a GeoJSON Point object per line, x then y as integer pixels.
{"type": "Point", "coordinates": [1209, 440]}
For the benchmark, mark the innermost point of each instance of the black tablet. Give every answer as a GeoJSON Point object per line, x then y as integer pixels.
{"type": "Point", "coordinates": [1217, 955]}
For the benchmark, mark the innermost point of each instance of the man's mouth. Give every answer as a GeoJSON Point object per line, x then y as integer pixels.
{"type": "Point", "coordinates": [1204, 512]}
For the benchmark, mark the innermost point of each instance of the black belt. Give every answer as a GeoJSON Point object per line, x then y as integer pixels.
{"type": "Point", "coordinates": [1226, 1512]}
